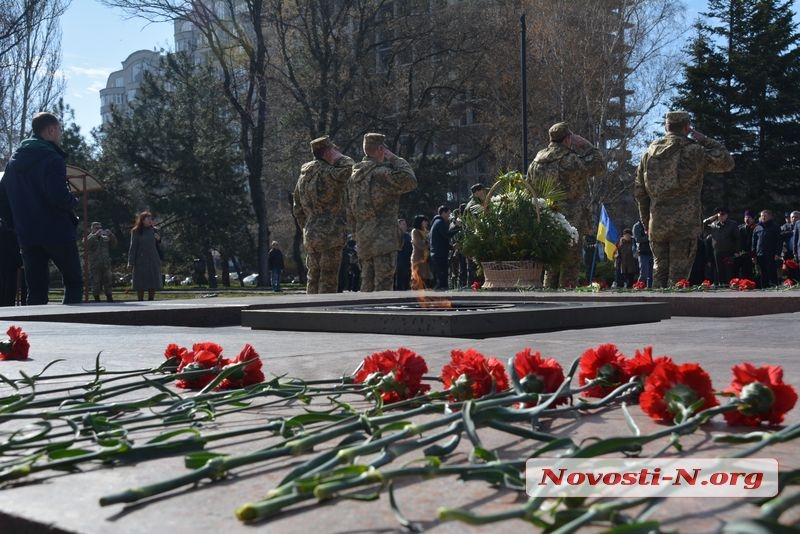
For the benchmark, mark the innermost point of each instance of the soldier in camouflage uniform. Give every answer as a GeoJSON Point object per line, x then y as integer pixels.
{"type": "Point", "coordinates": [572, 161]}
{"type": "Point", "coordinates": [373, 196]}
{"type": "Point", "coordinates": [667, 188]}
{"type": "Point", "coordinates": [97, 245]}
{"type": "Point", "coordinates": [319, 209]}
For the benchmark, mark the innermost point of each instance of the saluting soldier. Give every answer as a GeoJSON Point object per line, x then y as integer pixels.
{"type": "Point", "coordinates": [98, 243]}
{"type": "Point", "coordinates": [373, 196]}
{"type": "Point", "coordinates": [571, 160]}
{"type": "Point", "coordinates": [668, 183]}
{"type": "Point", "coordinates": [318, 206]}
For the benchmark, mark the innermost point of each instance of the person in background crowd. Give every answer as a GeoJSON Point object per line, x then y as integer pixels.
{"type": "Point", "coordinates": [402, 280]}
{"type": "Point", "coordinates": [724, 244]}
{"type": "Point", "coordinates": [645, 254]}
{"type": "Point", "coordinates": [350, 270]}
{"type": "Point", "coordinates": [667, 189]}
{"type": "Point", "coordinates": [144, 256]}
{"type": "Point", "coordinates": [788, 246]}
{"type": "Point", "coordinates": [275, 265]}
{"type": "Point", "coordinates": [98, 243]}
{"type": "Point", "coordinates": [745, 257]}
{"type": "Point", "coordinates": [623, 259]}
{"type": "Point", "coordinates": [766, 245]}
{"type": "Point", "coordinates": [458, 263]}
{"type": "Point", "coordinates": [420, 253]}
{"type": "Point", "coordinates": [475, 204]}
{"type": "Point", "coordinates": [440, 248]}
{"type": "Point", "coordinates": [39, 209]}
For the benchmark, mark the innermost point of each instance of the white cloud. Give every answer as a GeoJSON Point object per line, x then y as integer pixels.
{"type": "Point", "coordinates": [87, 72]}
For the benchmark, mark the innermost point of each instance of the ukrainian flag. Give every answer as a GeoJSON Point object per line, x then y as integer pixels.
{"type": "Point", "coordinates": [606, 234]}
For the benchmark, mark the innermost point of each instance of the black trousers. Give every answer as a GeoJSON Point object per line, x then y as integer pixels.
{"type": "Point", "coordinates": [441, 269]}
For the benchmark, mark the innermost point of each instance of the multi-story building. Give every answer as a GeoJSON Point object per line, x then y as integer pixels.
{"type": "Point", "coordinates": [123, 85]}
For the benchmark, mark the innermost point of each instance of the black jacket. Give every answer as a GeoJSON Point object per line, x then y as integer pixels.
{"type": "Point", "coordinates": [35, 183]}
{"type": "Point", "coordinates": [767, 239]}
{"type": "Point", "coordinates": [440, 236]}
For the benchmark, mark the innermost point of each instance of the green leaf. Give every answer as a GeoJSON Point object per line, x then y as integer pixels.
{"type": "Point", "coordinates": [196, 460]}
{"type": "Point", "coordinates": [169, 435]}
{"type": "Point", "coordinates": [61, 454]}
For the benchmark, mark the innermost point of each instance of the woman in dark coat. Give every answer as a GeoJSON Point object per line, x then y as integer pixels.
{"type": "Point", "coordinates": [144, 256]}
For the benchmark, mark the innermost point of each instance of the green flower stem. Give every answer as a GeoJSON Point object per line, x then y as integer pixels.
{"type": "Point", "coordinates": [599, 511]}
{"type": "Point", "coordinates": [255, 511]}
{"type": "Point", "coordinates": [774, 508]}
{"type": "Point", "coordinates": [328, 490]}
{"type": "Point", "coordinates": [616, 444]}
{"type": "Point", "coordinates": [786, 434]}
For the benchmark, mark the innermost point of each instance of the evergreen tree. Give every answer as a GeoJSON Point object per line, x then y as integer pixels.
{"type": "Point", "coordinates": [742, 85]}
{"type": "Point", "coordinates": [177, 155]}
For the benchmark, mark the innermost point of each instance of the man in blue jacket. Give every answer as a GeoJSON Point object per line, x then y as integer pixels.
{"type": "Point", "coordinates": [41, 211]}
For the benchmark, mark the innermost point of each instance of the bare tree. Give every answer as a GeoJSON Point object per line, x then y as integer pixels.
{"type": "Point", "coordinates": [30, 57]}
{"type": "Point", "coordinates": [233, 33]}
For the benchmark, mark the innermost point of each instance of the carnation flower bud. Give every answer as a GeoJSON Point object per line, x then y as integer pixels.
{"type": "Point", "coordinates": [756, 398]}
{"type": "Point", "coordinates": [532, 384]}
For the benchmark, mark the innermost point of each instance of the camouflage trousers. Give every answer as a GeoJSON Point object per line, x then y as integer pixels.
{"type": "Point", "coordinates": [566, 273]}
{"type": "Point", "coordinates": [100, 279]}
{"type": "Point", "coordinates": [377, 273]}
{"type": "Point", "coordinates": [322, 275]}
{"type": "Point", "coordinates": [672, 260]}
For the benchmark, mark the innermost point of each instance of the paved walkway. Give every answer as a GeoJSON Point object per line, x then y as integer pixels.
{"type": "Point", "coordinates": [69, 503]}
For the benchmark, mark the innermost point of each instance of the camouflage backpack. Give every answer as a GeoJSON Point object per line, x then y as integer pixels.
{"type": "Point", "coordinates": [661, 177]}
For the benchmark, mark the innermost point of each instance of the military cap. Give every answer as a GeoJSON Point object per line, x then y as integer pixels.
{"type": "Point", "coordinates": [558, 131]}
{"type": "Point", "coordinates": [97, 224]}
{"type": "Point", "coordinates": [373, 140]}
{"type": "Point", "coordinates": [477, 187]}
{"type": "Point", "coordinates": [321, 143]}
{"type": "Point", "coordinates": [677, 117]}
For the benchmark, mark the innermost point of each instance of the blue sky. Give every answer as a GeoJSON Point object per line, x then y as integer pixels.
{"type": "Point", "coordinates": [96, 39]}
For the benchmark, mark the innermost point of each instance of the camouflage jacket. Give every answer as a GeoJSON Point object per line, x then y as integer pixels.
{"type": "Point", "coordinates": [572, 172]}
{"type": "Point", "coordinates": [669, 180]}
{"type": "Point", "coordinates": [319, 198]}
{"type": "Point", "coordinates": [98, 249]}
{"type": "Point", "coordinates": [373, 202]}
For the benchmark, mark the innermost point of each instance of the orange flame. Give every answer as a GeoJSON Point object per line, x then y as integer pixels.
{"type": "Point", "coordinates": [427, 302]}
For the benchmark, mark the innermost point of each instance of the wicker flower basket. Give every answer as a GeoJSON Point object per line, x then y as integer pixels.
{"type": "Point", "coordinates": [512, 274]}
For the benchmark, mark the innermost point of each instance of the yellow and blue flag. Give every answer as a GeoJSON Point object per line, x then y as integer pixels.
{"type": "Point", "coordinates": [606, 234]}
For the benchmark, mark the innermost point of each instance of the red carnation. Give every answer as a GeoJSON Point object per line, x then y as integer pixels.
{"type": "Point", "coordinates": [790, 264]}
{"type": "Point", "coordinates": [396, 374]}
{"type": "Point", "coordinates": [763, 394]}
{"type": "Point", "coordinates": [17, 346]}
{"type": "Point", "coordinates": [638, 286]}
{"type": "Point", "coordinates": [745, 284]}
{"type": "Point", "coordinates": [683, 283]}
{"type": "Point", "coordinates": [604, 363]}
{"type": "Point", "coordinates": [249, 374]}
{"type": "Point", "coordinates": [673, 392]}
{"type": "Point", "coordinates": [181, 355]}
{"type": "Point", "coordinates": [201, 358]}
{"type": "Point", "coordinates": [642, 363]}
{"type": "Point", "coordinates": [788, 283]}
{"type": "Point", "coordinates": [706, 284]}
{"type": "Point", "coordinates": [537, 374]}
{"type": "Point", "coordinates": [471, 375]}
